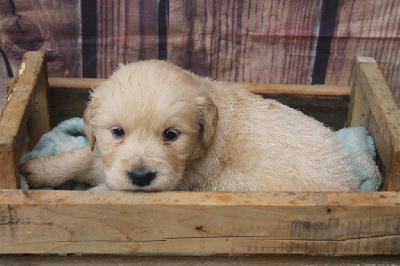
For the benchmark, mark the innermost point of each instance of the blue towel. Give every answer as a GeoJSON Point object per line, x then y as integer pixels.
{"type": "Point", "coordinates": [361, 150]}
{"type": "Point", "coordinates": [66, 136]}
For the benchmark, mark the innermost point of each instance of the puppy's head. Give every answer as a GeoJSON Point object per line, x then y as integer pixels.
{"type": "Point", "coordinates": [148, 121]}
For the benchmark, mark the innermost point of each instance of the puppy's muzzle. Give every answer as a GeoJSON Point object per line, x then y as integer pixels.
{"type": "Point", "coordinates": [141, 177]}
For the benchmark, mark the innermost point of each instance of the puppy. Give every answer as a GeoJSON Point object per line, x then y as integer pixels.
{"type": "Point", "coordinates": [155, 127]}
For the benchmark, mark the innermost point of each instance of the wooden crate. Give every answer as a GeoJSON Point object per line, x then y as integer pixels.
{"type": "Point", "coordinates": [357, 223]}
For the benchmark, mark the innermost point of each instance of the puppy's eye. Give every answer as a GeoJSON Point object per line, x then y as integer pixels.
{"type": "Point", "coordinates": [170, 135]}
{"type": "Point", "coordinates": [117, 132]}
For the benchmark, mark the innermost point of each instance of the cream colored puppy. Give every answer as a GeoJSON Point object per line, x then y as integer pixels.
{"type": "Point", "coordinates": [153, 126]}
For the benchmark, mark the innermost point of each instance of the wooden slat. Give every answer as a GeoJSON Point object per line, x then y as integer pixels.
{"type": "Point", "coordinates": [14, 116]}
{"type": "Point", "coordinates": [261, 88]}
{"type": "Point", "coordinates": [326, 103]}
{"type": "Point", "coordinates": [359, 110]}
{"type": "Point", "coordinates": [199, 223]}
{"type": "Point", "coordinates": [366, 28]}
{"type": "Point", "coordinates": [67, 103]}
{"type": "Point", "coordinates": [75, 83]}
{"type": "Point", "coordinates": [381, 116]}
{"type": "Point", "coordinates": [126, 32]}
{"type": "Point", "coordinates": [297, 89]}
{"type": "Point", "coordinates": [252, 41]}
{"type": "Point", "coordinates": [181, 260]}
{"type": "Point", "coordinates": [41, 26]}
{"type": "Point", "coordinates": [39, 119]}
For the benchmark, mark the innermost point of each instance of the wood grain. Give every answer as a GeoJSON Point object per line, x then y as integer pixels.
{"type": "Point", "coordinates": [381, 117]}
{"type": "Point", "coordinates": [15, 114]}
{"type": "Point", "coordinates": [326, 103]}
{"type": "Point", "coordinates": [40, 26]}
{"type": "Point", "coordinates": [366, 28]}
{"type": "Point", "coordinates": [45, 26]}
{"type": "Point", "coordinates": [359, 109]}
{"type": "Point", "coordinates": [39, 117]}
{"type": "Point", "coordinates": [182, 260]}
{"type": "Point", "coordinates": [199, 223]}
{"type": "Point", "coordinates": [252, 41]}
{"type": "Point", "coordinates": [261, 88]}
{"type": "Point", "coordinates": [3, 83]}
{"type": "Point", "coordinates": [127, 32]}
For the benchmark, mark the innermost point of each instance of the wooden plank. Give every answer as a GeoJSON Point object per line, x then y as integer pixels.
{"type": "Point", "coordinates": [66, 103]}
{"type": "Point", "coordinates": [298, 89]}
{"type": "Point", "coordinates": [127, 32]}
{"type": "Point", "coordinates": [359, 109]}
{"type": "Point", "coordinates": [14, 117]}
{"type": "Point", "coordinates": [75, 83]}
{"type": "Point", "coordinates": [327, 103]}
{"type": "Point", "coordinates": [181, 260]}
{"type": "Point", "coordinates": [248, 41]}
{"type": "Point", "coordinates": [39, 119]}
{"type": "Point", "coordinates": [261, 88]}
{"type": "Point", "coordinates": [4, 76]}
{"type": "Point", "coordinates": [366, 28]}
{"type": "Point", "coordinates": [43, 26]}
{"type": "Point", "coordinates": [384, 124]}
{"type": "Point", "coordinates": [332, 111]}
{"type": "Point", "coordinates": [199, 222]}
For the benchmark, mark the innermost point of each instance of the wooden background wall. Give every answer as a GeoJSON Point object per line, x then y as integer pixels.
{"type": "Point", "coordinates": [276, 41]}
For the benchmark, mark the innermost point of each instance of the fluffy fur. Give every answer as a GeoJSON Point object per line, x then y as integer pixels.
{"type": "Point", "coordinates": [227, 139]}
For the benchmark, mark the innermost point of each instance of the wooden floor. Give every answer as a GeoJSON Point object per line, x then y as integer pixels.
{"type": "Point", "coordinates": [195, 260]}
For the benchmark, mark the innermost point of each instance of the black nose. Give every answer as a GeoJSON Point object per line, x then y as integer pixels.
{"type": "Point", "coordinates": [141, 177]}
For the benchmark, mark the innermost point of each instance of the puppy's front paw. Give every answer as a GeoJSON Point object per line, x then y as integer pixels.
{"type": "Point", "coordinates": [36, 172]}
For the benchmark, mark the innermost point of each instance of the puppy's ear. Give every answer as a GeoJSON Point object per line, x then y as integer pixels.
{"type": "Point", "coordinates": [208, 121]}
{"type": "Point", "coordinates": [87, 118]}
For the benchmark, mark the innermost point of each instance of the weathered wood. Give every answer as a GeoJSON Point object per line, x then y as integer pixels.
{"type": "Point", "coordinates": [42, 26]}
{"type": "Point", "coordinates": [327, 103]}
{"type": "Point", "coordinates": [67, 103]}
{"type": "Point", "coordinates": [3, 84]}
{"type": "Point", "coordinates": [261, 88]}
{"type": "Point", "coordinates": [252, 41]}
{"type": "Point", "coordinates": [330, 110]}
{"type": "Point", "coordinates": [249, 41]}
{"type": "Point", "coordinates": [210, 222]}
{"type": "Point", "coordinates": [126, 32]}
{"type": "Point", "coordinates": [359, 110]}
{"type": "Point", "coordinates": [297, 89]}
{"type": "Point", "coordinates": [39, 119]}
{"type": "Point", "coordinates": [182, 260]}
{"type": "Point", "coordinates": [14, 116]}
{"type": "Point", "coordinates": [75, 83]}
{"type": "Point", "coordinates": [199, 223]}
{"type": "Point", "coordinates": [384, 121]}
{"type": "Point", "coordinates": [367, 28]}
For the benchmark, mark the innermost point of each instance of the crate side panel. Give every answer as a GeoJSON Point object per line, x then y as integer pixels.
{"type": "Point", "coordinates": [14, 117]}
{"type": "Point", "coordinates": [326, 103]}
{"type": "Point", "coordinates": [200, 223]}
{"type": "Point", "coordinates": [39, 119]}
{"type": "Point", "coordinates": [67, 103]}
{"type": "Point", "coordinates": [385, 125]}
